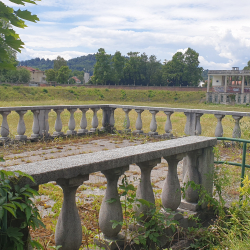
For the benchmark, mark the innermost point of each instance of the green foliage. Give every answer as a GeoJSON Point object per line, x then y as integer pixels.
{"type": "Point", "coordinates": [50, 75]}
{"type": "Point", "coordinates": [17, 212]}
{"type": "Point", "coordinates": [59, 62]}
{"type": "Point", "coordinates": [183, 69]}
{"type": "Point", "coordinates": [102, 68]}
{"type": "Point", "coordinates": [10, 41]}
{"type": "Point", "coordinates": [24, 75]}
{"type": "Point", "coordinates": [148, 227]}
{"type": "Point", "coordinates": [63, 74]}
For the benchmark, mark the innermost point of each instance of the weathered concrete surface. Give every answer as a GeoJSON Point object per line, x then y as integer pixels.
{"type": "Point", "coordinates": [72, 166]}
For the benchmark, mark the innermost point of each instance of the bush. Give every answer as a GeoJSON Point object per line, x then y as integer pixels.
{"type": "Point", "coordinates": [17, 212]}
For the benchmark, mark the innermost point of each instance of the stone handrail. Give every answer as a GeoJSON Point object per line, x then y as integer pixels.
{"type": "Point", "coordinates": [70, 172]}
{"type": "Point", "coordinates": [41, 125]}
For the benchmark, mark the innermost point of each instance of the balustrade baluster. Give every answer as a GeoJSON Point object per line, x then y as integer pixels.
{"type": "Point", "coordinates": [112, 119]}
{"type": "Point", "coordinates": [126, 123]}
{"type": "Point", "coordinates": [145, 190]}
{"type": "Point", "coordinates": [171, 192]}
{"type": "Point", "coordinates": [219, 128]}
{"type": "Point", "coordinates": [35, 127]}
{"type": "Point", "coordinates": [72, 123]}
{"type": "Point", "coordinates": [198, 166]}
{"type": "Point", "coordinates": [83, 123]}
{"type": "Point", "coordinates": [198, 124]}
{"type": "Point", "coordinates": [153, 124]}
{"type": "Point", "coordinates": [44, 126]}
{"type": "Point", "coordinates": [138, 124]}
{"type": "Point", "coordinates": [21, 128]}
{"type": "Point", "coordinates": [111, 210]}
{"type": "Point", "coordinates": [168, 125]}
{"type": "Point", "coordinates": [58, 123]}
{"type": "Point", "coordinates": [190, 173]}
{"type": "Point", "coordinates": [237, 130]}
{"type": "Point", "coordinates": [94, 120]}
{"type": "Point", "coordinates": [4, 127]}
{"type": "Point", "coordinates": [68, 229]}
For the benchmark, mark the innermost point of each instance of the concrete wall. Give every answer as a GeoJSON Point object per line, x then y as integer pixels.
{"type": "Point", "coordinates": [217, 81]}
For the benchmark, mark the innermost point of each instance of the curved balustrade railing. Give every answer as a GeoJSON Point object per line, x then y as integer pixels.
{"type": "Point", "coordinates": [41, 125]}
{"type": "Point", "coordinates": [70, 172]}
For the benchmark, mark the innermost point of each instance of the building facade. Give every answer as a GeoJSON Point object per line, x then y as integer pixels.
{"type": "Point", "coordinates": [37, 76]}
{"type": "Point", "coordinates": [229, 86]}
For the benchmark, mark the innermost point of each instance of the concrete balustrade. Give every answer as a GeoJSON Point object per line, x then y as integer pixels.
{"type": "Point", "coordinates": [35, 127]}
{"type": "Point", "coordinates": [41, 125]}
{"type": "Point", "coordinates": [4, 127]}
{"type": "Point", "coordinates": [70, 172]}
{"type": "Point", "coordinates": [72, 123]}
{"type": "Point", "coordinates": [138, 124]}
{"type": "Point", "coordinates": [83, 123]}
{"type": "Point", "coordinates": [58, 123]}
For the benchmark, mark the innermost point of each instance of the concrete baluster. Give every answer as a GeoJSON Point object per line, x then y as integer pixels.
{"type": "Point", "coordinates": [105, 118]}
{"type": "Point", "coordinates": [43, 119]}
{"type": "Point", "coordinates": [111, 210]}
{"type": "Point", "coordinates": [58, 123]}
{"type": "Point", "coordinates": [21, 128]}
{"type": "Point", "coordinates": [72, 123]}
{"type": "Point", "coordinates": [190, 123]}
{"type": "Point", "coordinates": [198, 166]}
{"type": "Point", "coordinates": [83, 123]}
{"type": "Point", "coordinates": [4, 127]}
{"type": "Point", "coordinates": [198, 129]}
{"type": "Point", "coordinates": [35, 127]}
{"type": "Point", "coordinates": [153, 124]}
{"type": "Point", "coordinates": [46, 123]}
{"type": "Point", "coordinates": [145, 190]}
{"type": "Point", "coordinates": [168, 124]}
{"type": "Point", "coordinates": [138, 124]}
{"type": "Point", "coordinates": [236, 130]}
{"type": "Point", "coordinates": [219, 128]}
{"type": "Point", "coordinates": [191, 173]}
{"type": "Point", "coordinates": [68, 229]}
{"type": "Point", "coordinates": [94, 120]}
{"type": "Point", "coordinates": [171, 192]}
{"type": "Point", "coordinates": [126, 123]}
{"type": "Point", "coordinates": [112, 118]}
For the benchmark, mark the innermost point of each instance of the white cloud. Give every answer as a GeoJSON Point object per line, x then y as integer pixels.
{"type": "Point", "coordinates": [218, 30]}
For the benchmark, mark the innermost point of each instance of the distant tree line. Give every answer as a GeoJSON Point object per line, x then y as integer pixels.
{"type": "Point", "coordinates": [82, 63]}
{"type": "Point", "coordinates": [141, 69]}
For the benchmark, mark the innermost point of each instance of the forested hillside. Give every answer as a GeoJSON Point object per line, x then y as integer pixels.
{"type": "Point", "coordinates": [82, 63]}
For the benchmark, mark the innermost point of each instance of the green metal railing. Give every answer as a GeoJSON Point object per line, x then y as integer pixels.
{"type": "Point", "coordinates": [243, 165]}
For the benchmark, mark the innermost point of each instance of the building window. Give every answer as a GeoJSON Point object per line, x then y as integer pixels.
{"type": "Point", "coordinates": [217, 80]}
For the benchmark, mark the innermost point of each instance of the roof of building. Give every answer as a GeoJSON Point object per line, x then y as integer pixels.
{"type": "Point", "coordinates": [30, 69]}
{"type": "Point", "coordinates": [76, 79]}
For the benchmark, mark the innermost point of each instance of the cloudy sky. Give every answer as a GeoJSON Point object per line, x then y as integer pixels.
{"type": "Point", "coordinates": [219, 30]}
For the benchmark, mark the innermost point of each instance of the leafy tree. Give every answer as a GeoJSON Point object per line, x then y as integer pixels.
{"type": "Point", "coordinates": [102, 68]}
{"type": "Point", "coordinates": [50, 75]}
{"type": "Point", "coordinates": [24, 75]}
{"type": "Point", "coordinates": [154, 71]}
{"type": "Point", "coordinates": [118, 65]}
{"type": "Point", "coordinates": [183, 69]}
{"type": "Point", "coordinates": [192, 72]}
{"type": "Point", "coordinates": [12, 76]}
{"type": "Point", "coordinates": [131, 69]}
{"type": "Point", "coordinates": [59, 62]}
{"type": "Point", "coordinates": [10, 42]}
{"type": "Point", "coordinates": [63, 74]}
{"type": "Point", "coordinates": [172, 71]}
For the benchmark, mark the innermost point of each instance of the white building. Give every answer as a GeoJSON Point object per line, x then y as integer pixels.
{"type": "Point", "coordinates": [229, 86]}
